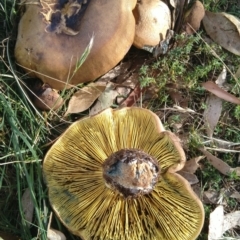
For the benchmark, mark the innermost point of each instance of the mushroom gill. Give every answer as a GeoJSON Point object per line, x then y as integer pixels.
{"type": "Point", "coordinates": [113, 176]}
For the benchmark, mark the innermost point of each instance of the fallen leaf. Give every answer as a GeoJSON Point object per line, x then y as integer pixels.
{"type": "Point", "coordinates": [216, 223]}
{"type": "Point", "coordinates": [223, 31]}
{"type": "Point", "coordinates": [131, 81]}
{"type": "Point", "coordinates": [123, 93]}
{"type": "Point", "coordinates": [220, 165]}
{"type": "Point", "coordinates": [53, 234]}
{"type": "Point", "coordinates": [115, 72]}
{"type": "Point", "coordinates": [219, 92]}
{"type": "Point", "coordinates": [84, 98]}
{"type": "Point", "coordinates": [231, 220]}
{"type": "Point", "coordinates": [220, 223]}
{"type": "Point", "coordinates": [237, 74]}
{"type": "Point", "coordinates": [176, 93]}
{"type": "Point", "coordinates": [191, 178]}
{"type": "Point", "coordinates": [48, 99]}
{"type": "Point", "coordinates": [192, 165]}
{"type": "Point", "coordinates": [212, 113]}
{"type": "Point", "coordinates": [133, 97]}
{"type": "Point", "coordinates": [105, 100]}
{"type": "Point", "coordinates": [27, 206]}
{"type": "Point", "coordinates": [211, 197]}
{"type": "Point", "coordinates": [221, 80]}
{"type": "Point", "coordinates": [233, 19]}
{"type": "Point", "coordinates": [235, 195]}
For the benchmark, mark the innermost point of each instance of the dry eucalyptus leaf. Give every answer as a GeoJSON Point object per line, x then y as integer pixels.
{"type": "Point", "coordinates": [213, 110]}
{"type": "Point", "coordinates": [220, 223]}
{"type": "Point", "coordinates": [221, 80]}
{"type": "Point", "coordinates": [191, 178]}
{"type": "Point", "coordinates": [115, 72]}
{"type": "Point", "coordinates": [212, 113]}
{"type": "Point", "coordinates": [84, 98]}
{"type": "Point", "coordinates": [223, 31]}
{"type": "Point", "coordinates": [237, 74]}
{"type": "Point", "coordinates": [211, 196]}
{"type": "Point", "coordinates": [27, 206]}
{"type": "Point", "coordinates": [235, 195]}
{"type": "Point", "coordinates": [133, 97]}
{"type": "Point", "coordinates": [216, 223]}
{"type": "Point", "coordinates": [123, 92]}
{"type": "Point", "coordinates": [219, 92]}
{"type": "Point", "coordinates": [234, 20]}
{"type": "Point", "coordinates": [53, 234]}
{"type": "Point", "coordinates": [220, 165]}
{"type": "Point", "coordinates": [131, 81]}
{"type": "Point", "coordinates": [192, 165]}
{"type": "Point", "coordinates": [231, 220]}
{"type": "Point", "coordinates": [48, 99]}
{"type": "Point", "coordinates": [106, 99]}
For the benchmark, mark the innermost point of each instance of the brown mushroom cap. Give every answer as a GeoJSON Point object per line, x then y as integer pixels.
{"type": "Point", "coordinates": [75, 166]}
{"type": "Point", "coordinates": [53, 56]}
{"type": "Point", "coordinates": [153, 19]}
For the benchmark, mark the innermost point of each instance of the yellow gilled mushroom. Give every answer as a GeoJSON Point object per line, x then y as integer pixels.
{"type": "Point", "coordinates": [113, 176]}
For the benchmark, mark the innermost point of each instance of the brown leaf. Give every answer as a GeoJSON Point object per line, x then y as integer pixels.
{"type": "Point", "coordinates": [192, 165]}
{"type": "Point", "coordinates": [234, 20]}
{"type": "Point", "coordinates": [84, 98]}
{"type": "Point", "coordinates": [48, 99]}
{"type": "Point", "coordinates": [106, 99]}
{"type": "Point", "coordinates": [53, 234]}
{"type": "Point", "coordinates": [237, 74]}
{"type": "Point", "coordinates": [212, 113]}
{"type": "Point", "coordinates": [223, 31]}
{"type": "Point", "coordinates": [133, 97]}
{"type": "Point", "coordinates": [219, 164]}
{"type": "Point", "coordinates": [177, 95]}
{"type": "Point", "coordinates": [119, 70]}
{"type": "Point", "coordinates": [219, 92]}
{"type": "Point", "coordinates": [191, 178]}
{"type": "Point", "coordinates": [211, 196]}
{"type": "Point", "coordinates": [27, 206]}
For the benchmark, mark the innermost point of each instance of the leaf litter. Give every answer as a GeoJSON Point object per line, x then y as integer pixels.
{"type": "Point", "coordinates": [219, 25]}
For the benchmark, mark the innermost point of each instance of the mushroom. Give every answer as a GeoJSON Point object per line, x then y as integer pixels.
{"type": "Point", "coordinates": [113, 176]}
{"type": "Point", "coordinates": [53, 34]}
{"type": "Point", "coordinates": [153, 20]}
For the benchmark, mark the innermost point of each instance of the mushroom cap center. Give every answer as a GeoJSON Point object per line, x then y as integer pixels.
{"type": "Point", "coordinates": [131, 172]}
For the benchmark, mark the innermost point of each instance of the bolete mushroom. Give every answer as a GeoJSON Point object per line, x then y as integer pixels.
{"type": "Point", "coordinates": [153, 20]}
{"type": "Point", "coordinates": [53, 34]}
{"type": "Point", "coordinates": [113, 176]}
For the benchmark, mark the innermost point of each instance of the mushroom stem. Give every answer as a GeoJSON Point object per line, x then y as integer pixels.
{"type": "Point", "coordinates": [131, 172]}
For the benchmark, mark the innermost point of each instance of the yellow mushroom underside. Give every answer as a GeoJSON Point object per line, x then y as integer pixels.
{"type": "Point", "coordinates": [79, 196]}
